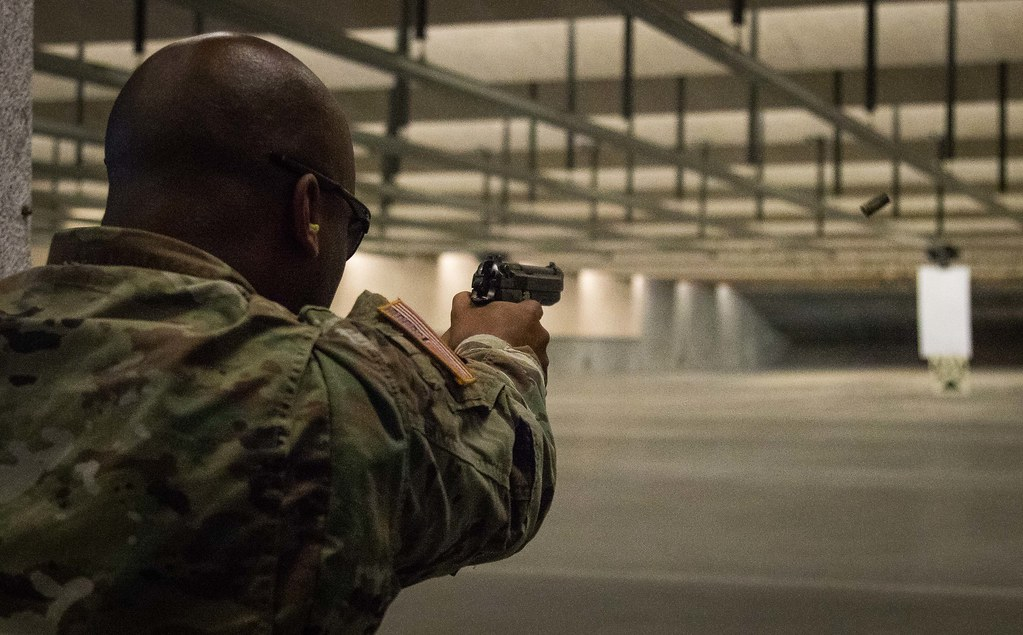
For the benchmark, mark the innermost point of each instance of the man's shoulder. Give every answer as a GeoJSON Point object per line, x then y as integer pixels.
{"type": "Point", "coordinates": [87, 327]}
{"type": "Point", "coordinates": [378, 354]}
{"type": "Point", "coordinates": [362, 342]}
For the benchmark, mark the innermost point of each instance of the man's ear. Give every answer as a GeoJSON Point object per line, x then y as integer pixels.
{"type": "Point", "coordinates": [305, 214]}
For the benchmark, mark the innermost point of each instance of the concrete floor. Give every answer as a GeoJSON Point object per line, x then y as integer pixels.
{"type": "Point", "coordinates": [782, 502]}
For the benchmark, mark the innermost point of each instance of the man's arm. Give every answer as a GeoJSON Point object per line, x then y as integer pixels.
{"type": "Point", "coordinates": [490, 518]}
{"type": "Point", "coordinates": [466, 472]}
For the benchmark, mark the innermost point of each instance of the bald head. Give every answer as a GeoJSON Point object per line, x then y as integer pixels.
{"type": "Point", "coordinates": [187, 152]}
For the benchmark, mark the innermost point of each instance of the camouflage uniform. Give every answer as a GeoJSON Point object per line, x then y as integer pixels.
{"type": "Point", "coordinates": [181, 455]}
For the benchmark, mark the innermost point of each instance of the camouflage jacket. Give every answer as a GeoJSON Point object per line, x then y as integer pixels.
{"type": "Point", "coordinates": [181, 455]}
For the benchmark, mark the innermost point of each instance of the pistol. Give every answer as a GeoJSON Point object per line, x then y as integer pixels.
{"type": "Point", "coordinates": [496, 279]}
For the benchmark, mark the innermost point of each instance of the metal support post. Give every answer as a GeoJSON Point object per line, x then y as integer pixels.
{"type": "Point", "coordinates": [758, 199]}
{"type": "Point", "coordinates": [701, 228]}
{"type": "Point", "coordinates": [80, 104]}
{"type": "Point", "coordinates": [397, 113]}
{"type": "Point", "coordinates": [571, 97]}
{"type": "Point", "coordinates": [896, 164]}
{"type": "Point", "coordinates": [486, 196]}
{"type": "Point", "coordinates": [1003, 126]}
{"type": "Point", "coordinates": [628, 104]}
{"type": "Point", "coordinates": [594, 186]}
{"type": "Point", "coordinates": [738, 10]}
{"type": "Point", "coordinates": [630, 174]}
{"type": "Point", "coordinates": [55, 160]}
{"type": "Point", "coordinates": [822, 157]}
{"type": "Point", "coordinates": [950, 67]}
{"type": "Point", "coordinates": [680, 133]}
{"type": "Point", "coordinates": [421, 19]}
{"type": "Point", "coordinates": [950, 81]}
{"type": "Point", "coordinates": [836, 147]}
{"type": "Point", "coordinates": [534, 93]}
{"type": "Point", "coordinates": [870, 66]}
{"type": "Point", "coordinates": [939, 214]}
{"type": "Point", "coordinates": [140, 27]}
{"type": "Point", "coordinates": [506, 163]}
{"type": "Point", "coordinates": [755, 132]}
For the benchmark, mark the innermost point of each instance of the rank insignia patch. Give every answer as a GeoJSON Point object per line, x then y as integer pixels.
{"type": "Point", "coordinates": [405, 318]}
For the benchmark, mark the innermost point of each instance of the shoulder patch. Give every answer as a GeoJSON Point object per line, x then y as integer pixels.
{"type": "Point", "coordinates": [405, 318]}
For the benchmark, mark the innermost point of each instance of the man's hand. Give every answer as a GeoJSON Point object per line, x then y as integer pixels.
{"type": "Point", "coordinates": [517, 323]}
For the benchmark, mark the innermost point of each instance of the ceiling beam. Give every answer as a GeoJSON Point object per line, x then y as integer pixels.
{"type": "Point", "coordinates": [79, 69]}
{"type": "Point", "coordinates": [602, 229]}
{"type": "Point", "coordinates": [689, 33]}
{"type": "Point", "coordinates": [388, 145]}
{"type": "Point", "coordinates": [402, 148]}
{"type": "Point", "coordinates": [284, 20]}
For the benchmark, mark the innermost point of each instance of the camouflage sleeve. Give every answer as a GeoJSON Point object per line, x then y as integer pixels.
{"type": "Point", "coordinates": [493, 512]}
{"type": "Point", "coordinates": [521, 364]}
{"type": "Point", "coordinates": [455, 475]}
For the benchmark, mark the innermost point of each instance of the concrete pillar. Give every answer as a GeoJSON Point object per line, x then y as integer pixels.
{"type": "Point", "coordinates": [15, 134]}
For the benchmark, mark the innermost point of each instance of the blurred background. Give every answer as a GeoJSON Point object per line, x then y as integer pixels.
{"type": "Point", "coordinates": [749, 440]}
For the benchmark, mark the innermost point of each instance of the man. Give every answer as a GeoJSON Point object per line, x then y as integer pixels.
{"type": "Point", "coordinates": [188, 444]}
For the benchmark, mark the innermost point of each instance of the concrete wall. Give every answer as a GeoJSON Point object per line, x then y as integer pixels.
{"type": "Point", "coordinates": [454, 275]}
{"type": "Point", "coordinates": [604, 323]}
{"type": "Point", "coordinates": [561, 319]}
{"type": "Point", "coordinates": [599, 324]}
{"type": "Point", "coordinates": [659, 342]}
{"type": "Point", "coordinates": [592, 355]}
{"type": "Point", "coordinates": [605, 305]}
{"type": "Point", "coordinates": [695, 327]}
{"type": "Point", "coordinates": [15, 133]}
{"type": "Point", "coordinates": [699, 326]}
{"type": "Point", "coordinates": [664, 326]}
{"type": "Point", "coordinates": [746, 340]}
{"type": "Point", "coordinates": [413, 279]}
